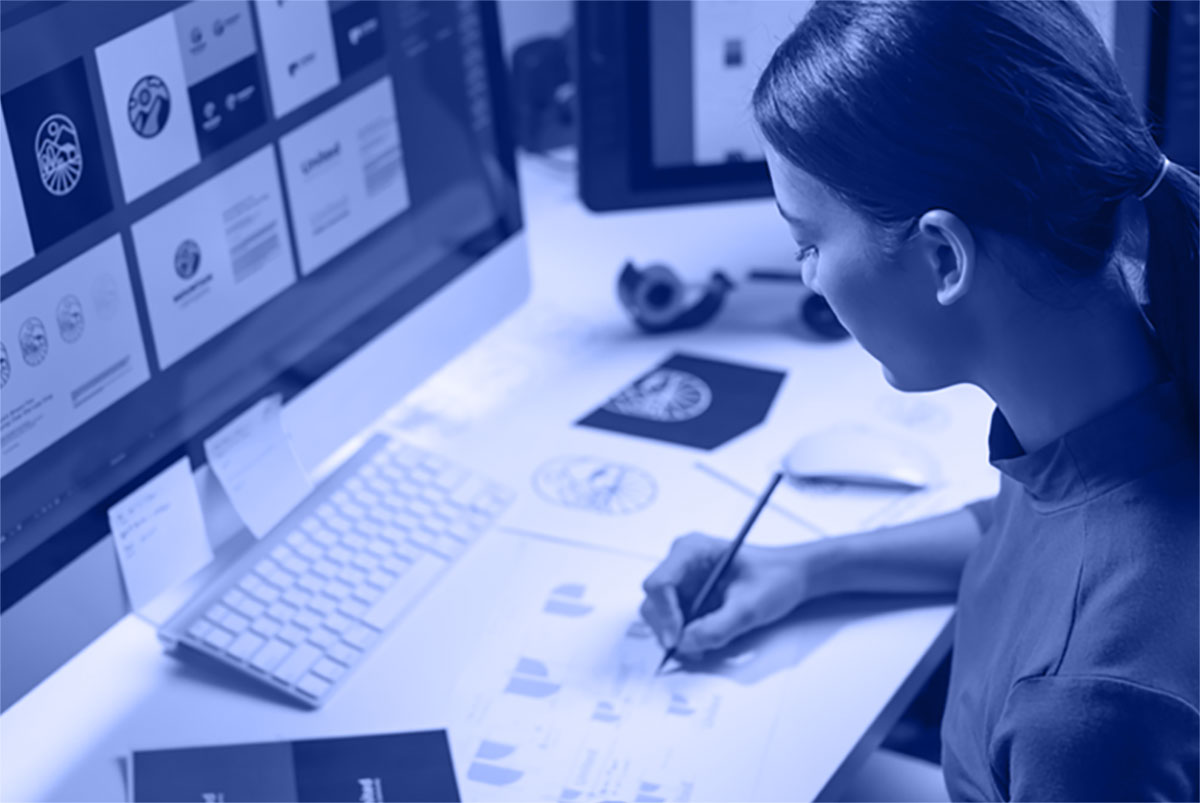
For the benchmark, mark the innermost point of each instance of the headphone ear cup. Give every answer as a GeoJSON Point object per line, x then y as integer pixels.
{"type": "Point", "coordinates": [658, 298]}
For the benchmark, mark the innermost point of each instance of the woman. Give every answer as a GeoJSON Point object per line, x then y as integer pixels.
{"type": "Point", "coordinates": [976, 196]}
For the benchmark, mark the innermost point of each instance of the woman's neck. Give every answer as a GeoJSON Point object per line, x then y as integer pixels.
{"type": "Point", "coordinates": [1064, 368]}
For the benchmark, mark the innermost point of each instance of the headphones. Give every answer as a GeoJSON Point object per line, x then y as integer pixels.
{"type": "Point", "coordinates": [658, 301]}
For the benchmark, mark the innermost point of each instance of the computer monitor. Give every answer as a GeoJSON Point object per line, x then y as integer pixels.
{"type": "Point", "coordinates": [665, 87]}
{"type": "Point", "coordinates": [212, 202]}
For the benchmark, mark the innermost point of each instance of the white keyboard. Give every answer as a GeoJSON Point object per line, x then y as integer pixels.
{"type": "Point", "coordinates": [306, 605]}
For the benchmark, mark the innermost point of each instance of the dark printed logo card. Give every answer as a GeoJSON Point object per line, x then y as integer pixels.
{"type": "Point", "coordinates": [393, 767]}
{"type": "Point", "coordinates": [692, 401]}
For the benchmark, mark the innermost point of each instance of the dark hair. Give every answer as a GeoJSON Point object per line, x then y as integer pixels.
{"type": "Point", "coordinates": [1009, 114]}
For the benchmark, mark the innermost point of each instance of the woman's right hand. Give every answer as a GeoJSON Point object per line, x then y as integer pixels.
{"type": "Point", "coordinates": [763, 584]}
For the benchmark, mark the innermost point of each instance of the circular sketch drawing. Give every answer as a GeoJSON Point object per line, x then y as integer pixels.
{"type": "Point", "coordinates": [34, 343]}
{"type": "Point", "coordinates": [149, 106]}
{"type": "Point", "coordinates": [59, 157]}
{"type": "Point", "coordinates": [5, 366]}
{"type": "Point", "coordinates": [70, 318]}
{"type": "Point", "coordinates": [187, 259]}
{"type": "Point", "coordinates": [665, 395]}
{"type": "Point", "coordinates": [591, 483]}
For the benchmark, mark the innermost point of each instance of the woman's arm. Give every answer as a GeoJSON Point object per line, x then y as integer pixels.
{"type": "Point", "coordinates": [921, 557]}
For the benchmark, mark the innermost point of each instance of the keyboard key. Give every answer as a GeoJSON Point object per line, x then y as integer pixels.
{"type": "Point", "coordinates": [354, 484]}
{"type": "Point", "coordinates": [352, 576]}
{"type": "Point", "coordinates": [307, 619]}
{"type": "Point", "coordinates": [323, 638]}
{"type": "Point", "coordinates": [409, 552]}
{"type": "Point", "coordinates": [245, 646]}
{"type": "Point", "coordinates": [296, 664]}
{"type": "Point", "coordinates": [281, 612]}
{"type": "Point", "coordinates": [339, 498]}
{"type": "Point", "coordinates": [368, 528]}
{"type": "Point", "coordinates": [330, 670]}
{"type": "Point", "coordinates": [380, 547]}
{"type": "Point", "coordinates": [235, 623]}
{"type": "Point", "coordinates": [414, 583]}
{"type": "Point", "coordinates": [338, 590]}
{"type": "Point", "coordinates": [218, 613]}
{"type": "Point", "coordinates": [353, 608]}
{"type": "Point", "coordinates": [380, 579]}
{"type": "Point", "coordinates": [251, 609]}
{"type": "Point", "coordinates": [325, 568]}
{"type": "Point", "coordinates": [395, 565]}
{"type": "Point", "coordinates": [200, 629]}
{"type": "Point", "coordinates": [323, 605]}
{"type": "Point", "coordinates": [280, 552]}
{"type": "Point", "coordinates": [354, 541]}
{"type": "Point", "coordinates": [265, 626]}
{"type": "Point", "coordinates": [339, 554]}
{"type": "Point", "coordinates": [311, 583]}
{"type": "Point", "coordinates": [352, 511]}
{"type": "Point", "coordinates": [296, 538]}
{"type": "Point", "coordinates": [251, 583]}
{"type": "Point", "coordinates": [233, 597]}
{"type": "Point", "coordinates": [313, 686]}
{"type": "Point", "coordinates": [310, 550]}
{"type": "Point", "coordinates": [295, 564]}
{"type": "Point", "coordinates": [325, 511]}
{"type": "Point", "coordinates": [292, 634]}
{"type": "Point", "coordinates": [345, 654]}
{"type": "Point", "coordinates": [338, 623]}
{"type": "Point", "coordinates": [219, 638]}
{"type": "Point", "coordinates": [366, 562]}
{"type": "Point", "coordinates": [296, 597]}
{"type": "Point", "coordinates": [270, 655]}
{"type": "Point", "coordinates": [325, 537]}
{"type": "Point", "coordinates": [368, 594]}
{"type": "Point", "coordinates": [359, 636]}
{"type": "Point", "coordinates": [310, 525]}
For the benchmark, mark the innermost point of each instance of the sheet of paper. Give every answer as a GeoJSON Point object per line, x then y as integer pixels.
{"type": "Point", "coordinates": [159, 534]}
{"type": "Point", "coordinates": [253, 460]}
{"type": "Point", "coordinates": [560, 700]}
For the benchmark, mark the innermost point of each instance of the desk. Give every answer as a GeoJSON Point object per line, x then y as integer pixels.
{"type": "Point", "coordinates": [63, 741]}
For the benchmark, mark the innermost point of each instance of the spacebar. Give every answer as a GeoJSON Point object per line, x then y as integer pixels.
{"type": "Point", "coordinates": [407, 588]}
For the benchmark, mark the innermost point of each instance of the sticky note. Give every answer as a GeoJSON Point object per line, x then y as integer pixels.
{"type": "Point", "coordinates": [253, 459]}
{"type": "Point", "coordinates": [159, 534]}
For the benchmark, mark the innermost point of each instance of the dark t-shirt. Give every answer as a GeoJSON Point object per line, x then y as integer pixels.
{"type": "Point", "coordinates": [1077, 646]}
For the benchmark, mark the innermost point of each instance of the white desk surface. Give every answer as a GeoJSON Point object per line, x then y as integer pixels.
{"type": "Point", "coordinates": [65, 740]}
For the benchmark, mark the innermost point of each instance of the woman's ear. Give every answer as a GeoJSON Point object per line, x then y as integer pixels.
{"type": "Point", "coordinates": [949, 249]}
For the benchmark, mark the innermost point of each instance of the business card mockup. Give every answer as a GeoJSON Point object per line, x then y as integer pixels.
{"type": "Point", "coordinates": [345, 174]}
{"type": "Point", "coordinates": [214, 255]}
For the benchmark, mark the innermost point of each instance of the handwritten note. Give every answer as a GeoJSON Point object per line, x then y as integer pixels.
{"type": "Point", "coordinates": [159, 534]}
{"type": "Point", "coordinates": [253, 459]}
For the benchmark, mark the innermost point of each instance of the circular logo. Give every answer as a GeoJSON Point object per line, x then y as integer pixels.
{"type": "Point", "coordinates": [595, 484]}
{"type": "Point", "coordinates": [149, 106]}
{"type": "Point", "coordinates": [70, 318]}
{"type": "Point", "coordinates": [34, 343]}
{"type": "Point", "coordinates": [59, 156]}
{"type": "Point", "coordinates": [665, 395]}
{"type": "Point", "coordinates": [187, 259]}
{"type": "Point", "coordinates": [5, 366]}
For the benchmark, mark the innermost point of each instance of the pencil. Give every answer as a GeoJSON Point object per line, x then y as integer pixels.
{"type": "Point", "coordinates": [726, 561]}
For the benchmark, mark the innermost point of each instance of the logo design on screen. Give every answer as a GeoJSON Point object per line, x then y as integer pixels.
{"type": "Point", "coordinates": [149, 106]}
{"type": "Point", "coordinates": [5, 365]}
{"type": "Point", "coordinates": [665, 395]}
{"type": "Point", "coordinates": [70, 318]}
{"type": "Point", "coordinates": [35, 345]}
{"type": "Point", "coordinates": [59, 156]}
{"type": "Point", "coordinates": [187, 259]}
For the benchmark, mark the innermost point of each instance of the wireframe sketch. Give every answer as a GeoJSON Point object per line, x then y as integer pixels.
{"type": "Point", "coordinates": [59, 156]}
{"type": "Point", "coordinates": [664, 395]}
{"type": "Point", "coordinates": [595, 484]}
{"type": "Point", "coordinates": [149, 106]}
{"type": "Point", "coordinates": [5, 366]}
{"type": "Point", "coordinates": [70, 318]}
{"type": "Point", "coordinates": [35, 345]}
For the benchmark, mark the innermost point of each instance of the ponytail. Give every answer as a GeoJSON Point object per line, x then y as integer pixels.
{"type": "Point", "coordinates": [1171, 276]}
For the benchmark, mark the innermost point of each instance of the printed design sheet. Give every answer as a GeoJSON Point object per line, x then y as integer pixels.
{"type": "Point", "coordinates": [70, 346]}
{"type": "Point", "coordinates": [562, 703]}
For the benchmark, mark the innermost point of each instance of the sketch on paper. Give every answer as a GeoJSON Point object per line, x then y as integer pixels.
{"type": "Point", "coordinates": [595, 484]}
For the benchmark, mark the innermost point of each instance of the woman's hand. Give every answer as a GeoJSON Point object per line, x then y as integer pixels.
{"type": "Point", "coordinates": [763, 584]}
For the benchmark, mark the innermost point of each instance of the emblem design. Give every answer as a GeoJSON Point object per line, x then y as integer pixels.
{"type": "Point", "coordinates": [35, 345]}
{"type": "Point", "coordinates": [595, 484]}
{"type": "Point", "coordinates": [665, 395]}
{"type": "Point", "coordinates": [149, 106]}
{"type": "Point", "coordinates": [5, 366]}
{"type": "Point", "coordinates": [187, 259]}
{"type": "Point", "coordinates": [70, 318]}
{"type": "Point", "coordinates": [59, 156]}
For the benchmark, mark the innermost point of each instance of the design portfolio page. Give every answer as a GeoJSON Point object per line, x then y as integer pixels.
{"type": "Point", "coordinates": [199, 195]}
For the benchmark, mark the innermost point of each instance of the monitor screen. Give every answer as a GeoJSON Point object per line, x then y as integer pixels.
{"type": "Point", "coordinates": [207, 202]}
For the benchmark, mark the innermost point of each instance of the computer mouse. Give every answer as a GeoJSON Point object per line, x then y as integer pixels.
{"type": "Point", "coordinates": [858, 455]}
{"type": "Point", "coordinates": [819, 317]}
